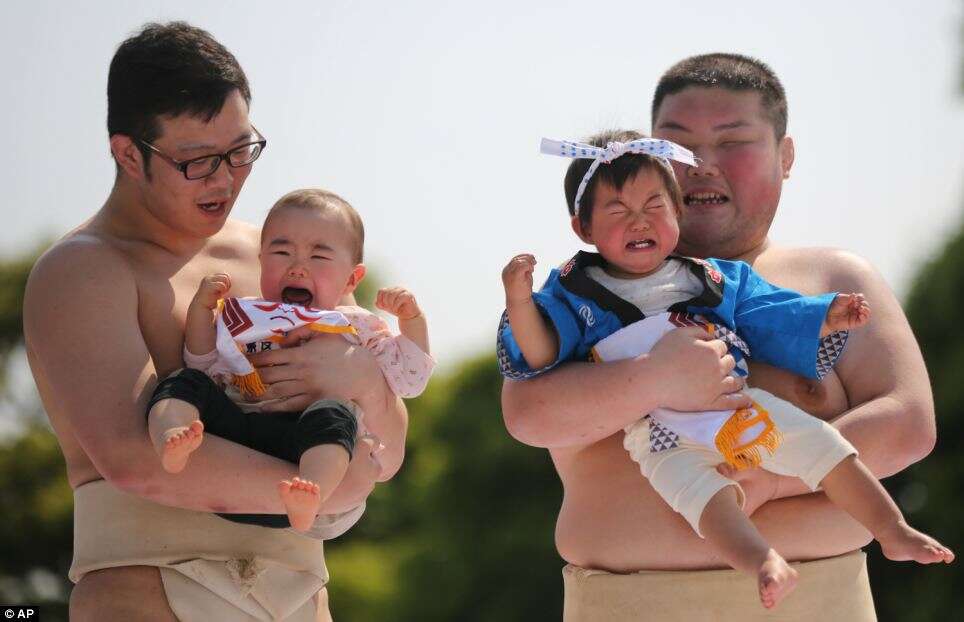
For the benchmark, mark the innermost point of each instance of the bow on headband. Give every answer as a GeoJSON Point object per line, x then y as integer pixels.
{"type": "Point", "coordinates": [662, 149]}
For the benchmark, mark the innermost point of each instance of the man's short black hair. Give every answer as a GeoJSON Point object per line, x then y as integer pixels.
{"type": "Point", "coordinates": [169, 69]}
{"type": "Point", "coordinates": [728, 71]}
{"type": "Point", "coordinates": [615, 173]}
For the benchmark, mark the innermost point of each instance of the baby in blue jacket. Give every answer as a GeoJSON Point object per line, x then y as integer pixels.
{"type": "Point", "coordinates": [624, 200]}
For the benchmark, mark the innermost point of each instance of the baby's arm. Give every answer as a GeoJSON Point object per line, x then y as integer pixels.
{"type": "Point", "coordinates": [846, 312]}
{"type": "Point", "coordinates": [200, 330]}
{"type": "Point", "coordinates": [411, 321]}
{"type": "Point", "coordinates": [537, 340]}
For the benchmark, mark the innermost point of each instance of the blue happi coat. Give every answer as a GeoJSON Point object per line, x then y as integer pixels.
{"type": "Point", "coordinates": [777, 326]}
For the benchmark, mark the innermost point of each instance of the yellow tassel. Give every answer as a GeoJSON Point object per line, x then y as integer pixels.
{"type": "Point", "coordinates": [250, 384]}
{"type": "Point", "coordinates": [747, 455]}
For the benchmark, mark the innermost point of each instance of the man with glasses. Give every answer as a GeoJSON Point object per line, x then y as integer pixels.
{"type": "Point", "coordinates": [104, 313]}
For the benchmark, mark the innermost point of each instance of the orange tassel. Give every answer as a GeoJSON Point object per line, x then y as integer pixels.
{"type": "Point", "coordinates": [250, 384]}
{"type": "Point", "coordinates": [747, 455]}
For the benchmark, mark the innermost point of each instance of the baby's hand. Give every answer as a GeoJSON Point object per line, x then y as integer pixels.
{"type": "Point", "coordinates": [846, 312]}
{"type": "Point", "coordinates": [212, 289]}
{"type": "Point", "coordinates": [517, 278]}
{"type": "Point", "coordinates": [399, 302]}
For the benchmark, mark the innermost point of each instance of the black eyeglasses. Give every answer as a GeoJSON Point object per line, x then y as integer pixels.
{"type": "Point", "coordinates": [204, 166]}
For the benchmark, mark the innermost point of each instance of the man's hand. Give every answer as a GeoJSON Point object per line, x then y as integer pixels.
{"type": "Point", "coordinates": [694, 372]}
{"type": "Point", "coordinates": [759, 485]}
{"type": "Point", "coordinates": [517, 279]}
{"type": "Point", "coordinates": [323, 366]}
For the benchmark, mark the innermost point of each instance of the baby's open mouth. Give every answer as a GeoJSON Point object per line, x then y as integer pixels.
{"type": "Point", "coordinates": [705, 198]}
{"type": "Point", "coordinates": [297, 296]}
{"type": "Point", "coordinates": [640, 244]}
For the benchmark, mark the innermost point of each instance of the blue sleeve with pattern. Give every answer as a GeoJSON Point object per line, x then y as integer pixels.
{"type": "Point", "coordinates": [781, 326]}
{"type": "Point", "coordinates": [554, 308]}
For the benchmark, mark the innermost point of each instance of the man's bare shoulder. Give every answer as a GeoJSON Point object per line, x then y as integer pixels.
{"type": "Point", "coordinates": [77, 258]}
{"type": "Point", "coordinates": [242, 229]}
{"type": "Point", "coordinates": [823, 268]}
{"type": "Point", "coordinates": [239, 232]}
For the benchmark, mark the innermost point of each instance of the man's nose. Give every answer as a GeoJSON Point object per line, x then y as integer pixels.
{"type": "Point", "coordinates": [222, 177]}
{"type": "Point", "coordinates": [705, 165]}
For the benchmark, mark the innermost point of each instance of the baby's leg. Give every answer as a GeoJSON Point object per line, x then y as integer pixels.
{"type": "Point", "coordinates": [174, 415]}
{"type": "Point", "coordinates": [726, 527]}
{"type": "Point", "coordinates": [322, 469]}
{"type": "Point", "coordinates": [819, 455]}
{"type": "Point", "coordinates": [176, 431]}
{"type": "Point", "coordinates": [852, 487]}
{"type": "Point", "coordinates": [685, 477]}
{"type": "Point", "coordinates": [325, 438]}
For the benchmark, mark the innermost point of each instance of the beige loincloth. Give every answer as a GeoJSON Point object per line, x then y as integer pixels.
{"type": "Point", "coordinates": [829, 590]}
{"type": "Point", "coordinates": [212, 569]}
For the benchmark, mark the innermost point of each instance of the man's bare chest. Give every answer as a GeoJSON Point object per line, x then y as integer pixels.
{"type": "Point", "coordinates": [164, 294]}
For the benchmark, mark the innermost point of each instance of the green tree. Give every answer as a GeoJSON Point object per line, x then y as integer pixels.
{"type": "Point", "coordinates": [930, 491]}
{"type": "Point", "coordinates": [13, 281]}
{"type": "Point", "coordinates": [36, 533]}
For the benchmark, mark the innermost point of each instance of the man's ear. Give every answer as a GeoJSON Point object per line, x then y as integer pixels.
{"type": "Point", "coordinates": [356, 276]}
{"type": "Point", "coordinates": [786, 155]}
{"type": "Point", "coordinates": [127, 155]}
{"type": "Point", "coordinates": [583, 232]}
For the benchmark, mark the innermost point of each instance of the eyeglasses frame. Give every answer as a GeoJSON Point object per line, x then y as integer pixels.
{"type": "Point", "coordinates": [182, 165]}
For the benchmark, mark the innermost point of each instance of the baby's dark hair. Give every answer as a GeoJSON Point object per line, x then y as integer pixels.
{"type": "Point", "coordinates": [323, 201]}
{"type": "Point", "coordinates": [616, 173]}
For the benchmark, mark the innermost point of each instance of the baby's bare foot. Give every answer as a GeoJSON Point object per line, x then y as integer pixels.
{"type": "Point", "coordinates": [904, 543]}
{"type": "Point", "coordinates": [178, 445]}
{"type": "Point", "coordinates": [776, 579]}
{"type": "Point", "coordinates": [302, 499]}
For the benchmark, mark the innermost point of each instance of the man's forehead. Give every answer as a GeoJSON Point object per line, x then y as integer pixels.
{"type": "Point", "coordinates": [192, 137]}
{"type": "Point", "coordinates": [188, 131]}
{"type": "Point", "coordinates": [714, 108]}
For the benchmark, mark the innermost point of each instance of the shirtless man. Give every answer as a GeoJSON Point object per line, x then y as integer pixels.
{"type": "Point", "coordinates": [104, 315]}
{"type": "Point", "coordinates": [731, 112]}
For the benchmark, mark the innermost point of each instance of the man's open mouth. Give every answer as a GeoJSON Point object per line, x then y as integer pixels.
{"type": "Point", "coordinates": [212, 207]}
{"type": "Point", "coordinates": [640, 244]}
{"type": "Point", "coordinates": [297, 296]}
{"type": "Point", "coordinates": [705, 198]}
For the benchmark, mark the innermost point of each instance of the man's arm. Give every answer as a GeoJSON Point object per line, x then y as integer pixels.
{"type": "Point", "coordinates": [891, 419]}
{"type": "Point", "coordinates": [81, 327]}
{"type": "Point", "coordinates": [582, 403]}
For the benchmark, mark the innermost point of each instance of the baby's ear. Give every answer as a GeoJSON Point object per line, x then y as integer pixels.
{"type": "Point", "coordinates": [356, 276]}
{"type": "Point", "coordinates": [583, 232]}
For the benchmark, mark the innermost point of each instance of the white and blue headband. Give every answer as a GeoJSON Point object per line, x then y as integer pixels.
{"type": "Point", "coordinates": [662, 149]}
